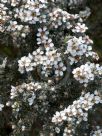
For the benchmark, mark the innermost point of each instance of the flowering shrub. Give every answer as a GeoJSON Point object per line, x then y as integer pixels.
{"type": "Point", "coordinates": [55, 61]}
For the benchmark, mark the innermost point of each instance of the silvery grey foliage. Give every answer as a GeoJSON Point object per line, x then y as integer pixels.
{"type": "Point", "coordinates": [76, 2]}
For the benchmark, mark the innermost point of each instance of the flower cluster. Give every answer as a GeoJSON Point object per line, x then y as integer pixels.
{"type": "Point", "coordinates": [87, 72]}
{"type": "Point", "coordinates": [78, 110]}
{"type": "Point", "coordinates": [10, 24]}
{"type": "Point", "coordinates": [21, 89]}
{"type": "Point", "coordinates": [84, 103]}
{"type": "Point", "coordinates": [31, 11]}
{"type": "Point", "coordinates": [22, 14]}
{"type": "Point", "coordinates": [31, 61]}
{"type": "Point", "coordinates": [26, 91]}
{"type": "Point", "coordinates": [11, 2]}
{"type": "Point", "coordinates": [25, 63]}
{"type": "Point", "coordinates": [49, 62]}
{"type": "Point", "coordinates": [59, 17]}
{"type": "Point", "coordinates": [52, 60]}
{"type": "Point", "coordinates": [3, 16]}
{"type": "Point", "coordinates": [97, 132]}
{"type": "Point", "coordinates": [79, 47]}
{"type": "Point", "coordinates": [18, 30]}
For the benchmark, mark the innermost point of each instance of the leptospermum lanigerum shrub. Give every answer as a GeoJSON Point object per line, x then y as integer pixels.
{"type": "Point", "coordinates": [61, 84]}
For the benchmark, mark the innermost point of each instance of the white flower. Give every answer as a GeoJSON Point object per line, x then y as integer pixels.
{"type": "Point", "coordinates": [42, 35]}
{"type": "Point", "coordinates": [3, 65]}
{"type": "Point", "coordinates": [79, 28]}
{"type": "Point", "coordinates": [13, 92]}
{"type": "Point", "coordinates": [31, 99]}
{"type": "Point", "coordinates": [25, 64]}
{"type": "Point", "coordinates": [87, 72]}
{"type": "Point", "coordinates": [23, 128]}
{"type": "Point", "coordinates": [48, 44]}
{"type": "Point", "coordinates": [57, 130]}
{"type": "Point", "coordinates": [1, 106]}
